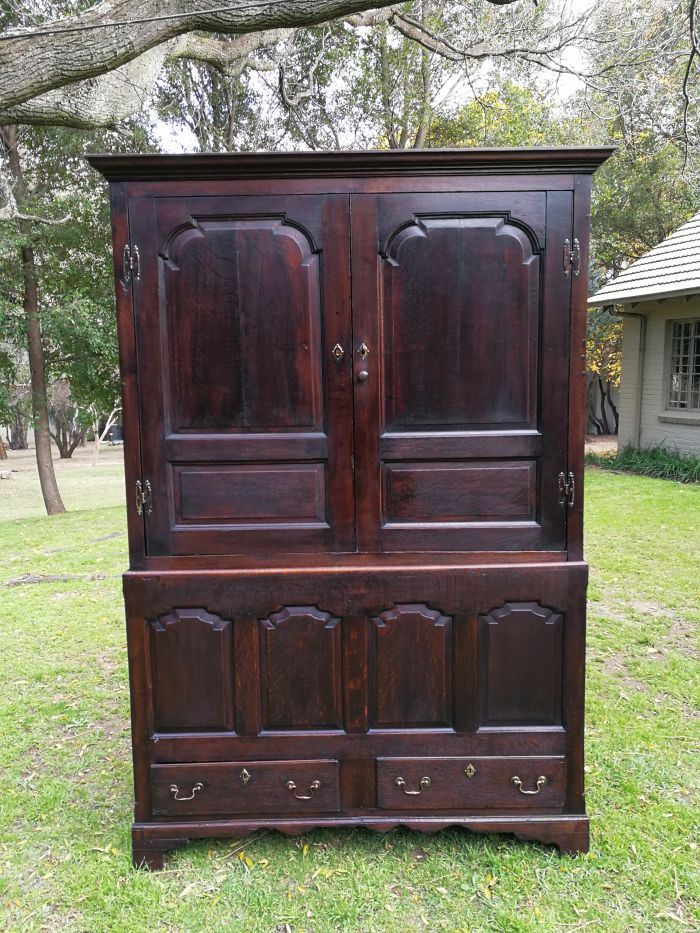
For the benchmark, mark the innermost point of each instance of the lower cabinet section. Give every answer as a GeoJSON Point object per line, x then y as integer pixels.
{"type": "Point", "coordinates": [374, 697]}
{"type": "Point", "coordinates": [470, 783]}
{"type": "Point", "coordinates": [245, 787]}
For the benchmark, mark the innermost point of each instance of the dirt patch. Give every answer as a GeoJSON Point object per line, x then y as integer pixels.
{"type": "Point", "coordinates": [613, 667]}
{"type": "Point", "coordinates": [31, 578]}
{"type": "Point", "coordinates": [682, 637]}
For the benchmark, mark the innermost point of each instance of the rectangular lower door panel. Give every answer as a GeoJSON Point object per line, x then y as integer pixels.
{"type": "Point", "coordinates": [245, 787]}
{"type": "Point", "coordinates": [470, 783]}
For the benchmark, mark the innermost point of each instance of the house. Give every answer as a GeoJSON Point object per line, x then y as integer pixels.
{"type": "Point", "coordinates": [659, 299]}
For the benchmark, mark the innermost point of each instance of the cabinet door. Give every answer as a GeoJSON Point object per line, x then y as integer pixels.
{"type": "Point", "coordinates": [462, 303]}
{"type": "Point", "coordinates": [246, 412]}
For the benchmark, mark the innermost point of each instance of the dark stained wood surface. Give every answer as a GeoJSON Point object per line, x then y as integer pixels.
{"type": "Point", "coordinates": [245, 787]}
{"type": "Point", "coordinates": [356, 567]}
{"type": "Point", "coordinates": [470, 783]}
{"type": "Point", "coordinates": [251, 302]}
{"type": "Point", "coordinates": [368, 164]}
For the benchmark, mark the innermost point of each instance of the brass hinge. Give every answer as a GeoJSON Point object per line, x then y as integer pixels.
{"type": "Point", "coordinates": [567, 489]}
{"type": "Point", "coordinates": [131, 265]}
{"type": "Point", "coordinates": [571, 257]}
{"type": "Point", "coordinates": [143, 497]}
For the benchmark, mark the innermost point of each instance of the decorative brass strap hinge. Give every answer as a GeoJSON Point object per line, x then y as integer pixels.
{"type": "Point", "coordinates": [567, 489]}
{"type": "Point", "coordinates": [131, 264]}
{"type": "Point", "coordinates": [143, 497]}
{"type": "Point", "coordinates": [571, 257]}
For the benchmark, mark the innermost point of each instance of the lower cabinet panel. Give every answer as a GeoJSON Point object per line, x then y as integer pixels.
{"type": "Point", "coordinates": [470, 783]}
{"type": "Point", "coordinates": [245, 787]}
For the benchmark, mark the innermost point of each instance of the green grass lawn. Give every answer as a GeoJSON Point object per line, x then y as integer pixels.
{"type": "Point", "coordinates": [65, 772]}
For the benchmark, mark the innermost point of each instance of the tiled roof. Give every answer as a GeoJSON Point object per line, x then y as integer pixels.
{"type": "Point", "coordinates": [672, 267]}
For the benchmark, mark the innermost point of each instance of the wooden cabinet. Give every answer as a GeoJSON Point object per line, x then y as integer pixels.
{"type": "Point", "coordinates": [353, 419]}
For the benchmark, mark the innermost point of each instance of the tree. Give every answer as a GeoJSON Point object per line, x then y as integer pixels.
{"type": "Point", "coordinates": [56, 304]}
{"type": "Point", "coordinates": [103, 81]}
{"type": "Point", "coordinates": [604, 364]}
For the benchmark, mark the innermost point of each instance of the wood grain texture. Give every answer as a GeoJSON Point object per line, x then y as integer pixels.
{"type": "Point", "coordinates": [301, 669]}
{"type": "Point", "coordinates": [411, 668]}
{"type": "Point", "coordinates": [246, 787]}
{"type": "Point", "coordinates": [183, 646]}
{"type": "Point", "coordinates": [470, 783]}
{"type": "Point", "coordinates": [520, 666]}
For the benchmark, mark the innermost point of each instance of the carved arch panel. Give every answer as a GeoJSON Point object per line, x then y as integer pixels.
{"type": "Point", "coordinates": [242, 299]}
{"type": "Point", "coordinates": [411, 668]}
{"type": "Point", "coordinates": [520, 649]}
{"type": "Point", "coordinates": [301, 669]}
{"type": "Point", "coordinates": [191, 665]}
{"type": "Point", "coordinates": [460, 307]}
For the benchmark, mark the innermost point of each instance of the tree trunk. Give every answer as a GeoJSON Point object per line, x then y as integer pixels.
{"type": "Point", "coordinates": [3, 452]}
{"type": "Point", "coordinates": [18, 432]}
{"type": "Point", "coordinates": [35, 349]}
{"type": "Point", "coordinates": [613, 408]}
{"type": "Point", "coordinates": [426, 100]}
{"type": "Point", "coordinates": [603, 413]}
{"type": "Point", "coordinates": [37, 367]}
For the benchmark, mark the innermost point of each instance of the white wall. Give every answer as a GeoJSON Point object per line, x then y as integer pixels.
{"type": "Point", "coordinates": [657, 425]}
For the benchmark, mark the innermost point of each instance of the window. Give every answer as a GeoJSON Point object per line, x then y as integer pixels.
{"type": "Point", "coordinates": [684, 384]}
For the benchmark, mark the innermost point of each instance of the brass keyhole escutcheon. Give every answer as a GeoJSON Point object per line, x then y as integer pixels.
{"type": "Point", "coordinates": [244, 776]}
{"type": "Point", "coordinates": [363, 351]}
{"type": "Point", "coordinates": [337, 353]}
{"type": "Point", "coordinates": [470, 770]}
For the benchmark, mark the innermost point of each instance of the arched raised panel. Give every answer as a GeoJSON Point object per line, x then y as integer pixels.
{"type": "Point", "coordinates": [191, 657]}
{"type": "Point", "coordinates": [460, 306]}
{"type": "Point", "coordinates": [520, 666]}
{"type": "Point", "coordinates": [411, 668]}
{"type": "Point", "coordinates": [242, 308]}
{"type": "Point", "coordinates": [301, 669]}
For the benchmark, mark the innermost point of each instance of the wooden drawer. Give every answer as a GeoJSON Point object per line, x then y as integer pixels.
{"type": "Point", "coordinates": [470, 783]}
{"type": "Point", "coordinates": [245, 787]}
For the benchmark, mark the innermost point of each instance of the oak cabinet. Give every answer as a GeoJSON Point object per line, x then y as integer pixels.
{"type": "Point", "coordinates": [353, 420]}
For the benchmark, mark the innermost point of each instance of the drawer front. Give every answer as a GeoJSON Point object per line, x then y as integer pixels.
{"type": "Point", "coordinates": [470, 783]}
{"type": "Point", "coordinates": [245, 787]}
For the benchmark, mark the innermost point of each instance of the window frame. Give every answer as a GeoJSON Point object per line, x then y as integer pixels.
{"type": "Point", "coordinates": [693, 368]}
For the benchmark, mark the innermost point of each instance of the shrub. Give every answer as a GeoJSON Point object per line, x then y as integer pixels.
{"type": "Point", "coordinates": [651, 461]}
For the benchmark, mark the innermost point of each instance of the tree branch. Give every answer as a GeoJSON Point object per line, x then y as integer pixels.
{"type": "Point", "coordinates": [60, 55]}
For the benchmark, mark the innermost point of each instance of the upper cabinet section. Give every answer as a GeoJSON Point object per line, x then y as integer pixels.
{"type": "Point", "coordinates": [326, 353]}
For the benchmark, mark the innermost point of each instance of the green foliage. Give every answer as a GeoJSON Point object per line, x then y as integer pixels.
{"type": "Point", "coordinates": [604, 345]}
{"type": "Point", "coordinates": [73, 262]}
{"type": "Point", "coordinates": [640, 197]}
{"type": "Point", "coordinates": [8, 371]}
{"type": "Point", "coordinates": [507, 115]}
{"type": "Point", "coordinates": [654, 461]}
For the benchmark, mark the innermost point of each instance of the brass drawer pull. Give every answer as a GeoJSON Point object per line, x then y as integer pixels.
{"type": "Point", "coordinates": [313, 786]}
{"type": "Point", "coordinates": [424, 782]}
{"type": "Point", "coordinates": [541, 781]}
{"type": "Point", "coordinates": [175, 790]}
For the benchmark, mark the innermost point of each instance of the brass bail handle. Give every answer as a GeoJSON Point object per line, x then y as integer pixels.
{"type": "Point", "coordinates": [175, 790]}
{"type": "Point", "coordinates": [541, 781]}
{"type": "Point", "coordinates": [313, 787]}
{"type": "Point", "coordinates": [424, 782]}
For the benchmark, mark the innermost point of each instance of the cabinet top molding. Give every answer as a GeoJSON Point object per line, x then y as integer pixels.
{"type": "Point", "coordinates": [495, 161]}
